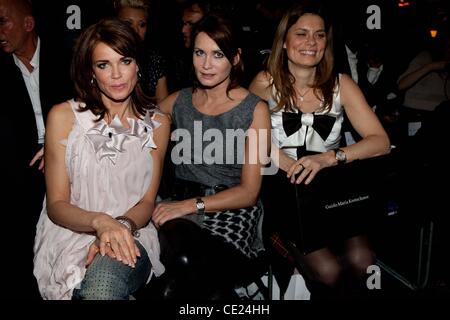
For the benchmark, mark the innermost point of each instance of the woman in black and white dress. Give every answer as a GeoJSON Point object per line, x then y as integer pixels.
{"type": "Point", "coordinates": [307, 102]}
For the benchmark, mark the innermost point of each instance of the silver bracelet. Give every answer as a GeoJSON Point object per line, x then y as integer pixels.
{"type": "Point", "coordinates": [130, 224]}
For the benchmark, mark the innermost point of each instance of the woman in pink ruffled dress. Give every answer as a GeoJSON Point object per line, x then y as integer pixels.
{"type": "Point", "coordinates": [104, 153]}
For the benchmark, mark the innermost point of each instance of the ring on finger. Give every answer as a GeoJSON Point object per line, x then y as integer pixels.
{"type": "Point", "coordinates": [303, 167]}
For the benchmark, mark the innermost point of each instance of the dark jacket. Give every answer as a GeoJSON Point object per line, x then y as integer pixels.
{"type": "Point", "coordinates": [19, 138]}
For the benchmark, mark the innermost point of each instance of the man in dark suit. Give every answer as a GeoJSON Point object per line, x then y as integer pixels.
{"type": "Point", "coordinates": [32, 79]}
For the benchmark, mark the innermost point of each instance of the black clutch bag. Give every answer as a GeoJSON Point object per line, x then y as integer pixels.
{"type": "Point", "coordinates": [340, 202]}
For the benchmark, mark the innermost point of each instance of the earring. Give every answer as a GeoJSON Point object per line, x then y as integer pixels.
{"type": "Point", "coordinates": [139, 75]}
{"type": "Point", "coordinates": [92, 81]}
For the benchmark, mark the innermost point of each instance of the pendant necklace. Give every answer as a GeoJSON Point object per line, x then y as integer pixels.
{"type": "Point", "coordinates": [302, 96]}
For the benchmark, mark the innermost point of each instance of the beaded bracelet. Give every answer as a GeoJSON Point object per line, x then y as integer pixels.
{"type": "Point", "coordinates": [130, 224]}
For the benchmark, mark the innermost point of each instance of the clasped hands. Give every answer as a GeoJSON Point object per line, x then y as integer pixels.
{"type": "Point", "coordinates": [115, 240]}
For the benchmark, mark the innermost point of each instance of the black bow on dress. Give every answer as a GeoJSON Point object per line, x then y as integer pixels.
{"type": "Point", "coordinates": [322, 124]}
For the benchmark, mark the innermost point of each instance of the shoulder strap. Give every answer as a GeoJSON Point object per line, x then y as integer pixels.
{"type": "Point", "coordinates": [85, 119]}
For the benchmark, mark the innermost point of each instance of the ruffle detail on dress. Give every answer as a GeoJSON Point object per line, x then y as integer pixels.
{"type": "Point", "coordinates": [144, 130]}
{"type": "Point", "coordinates": [107, 140]}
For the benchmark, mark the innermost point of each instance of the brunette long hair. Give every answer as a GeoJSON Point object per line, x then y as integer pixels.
{"type": "Point", "coordinates": [282, 79]}
{"type": "Point", "coordinates": [227, 36]}
{"type": "Point", "coordinates": [121, 38]}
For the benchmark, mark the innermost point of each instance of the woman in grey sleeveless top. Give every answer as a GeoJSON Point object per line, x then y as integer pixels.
{"type": "Point", "coordinates": [221, 129]}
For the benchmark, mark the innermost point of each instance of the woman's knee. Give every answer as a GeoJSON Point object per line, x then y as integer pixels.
{"type": "Point", "coordinates": [328, 273]}
{"type": "Point", "coordinates": [324, 267]}
{"type": "Point", "coordinates": [109, 279]}
{"type": "Point", "coordinates": [359, 255]}
{"type": "Point", "coordinates": [360, 260]}
{"type": "Point", "coordinates": [104, 281]}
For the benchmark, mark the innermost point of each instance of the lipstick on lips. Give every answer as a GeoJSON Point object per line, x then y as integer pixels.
{"type": "Point", "coordinates": [207, 76]}
{"type": "Point", "coordinates": [119, 86]}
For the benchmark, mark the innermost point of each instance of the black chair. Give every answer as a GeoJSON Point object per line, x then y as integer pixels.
{"type": "Point", "coordinates": [191, 258]}
{"type": "Point", "coordinates": [415, 210]}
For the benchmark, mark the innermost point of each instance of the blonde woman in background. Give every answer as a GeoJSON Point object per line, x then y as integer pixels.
{"type": "Point", "coordinates": [136, 13]}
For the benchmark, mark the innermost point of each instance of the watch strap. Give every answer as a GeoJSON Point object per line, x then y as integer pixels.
{"type": "Point", "coordinates": [340, 156]}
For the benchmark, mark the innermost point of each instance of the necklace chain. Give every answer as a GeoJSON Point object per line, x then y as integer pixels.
{"type": "Point", "coordinates": [302, 96]}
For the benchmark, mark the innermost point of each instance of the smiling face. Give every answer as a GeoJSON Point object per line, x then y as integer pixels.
{"type": "Point", "coordinates": [116, 75]}
{"type": "Point", "coordinates": [212, 67]}
{"type": "Point", "coordinates": [306, 41]}
{"type": "Point", "coordinates": [136, 17]}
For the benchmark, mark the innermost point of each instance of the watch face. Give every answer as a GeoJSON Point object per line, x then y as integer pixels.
{"type": "Point", "coordinates": [200, 205]}
{"type": "Point", "coordinates": [340, 156]}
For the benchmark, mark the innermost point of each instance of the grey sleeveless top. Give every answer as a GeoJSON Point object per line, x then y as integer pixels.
{"type": "Point", "coordinates": [210, 150]}
{"type": "Point", "coordinates": [221, 139]}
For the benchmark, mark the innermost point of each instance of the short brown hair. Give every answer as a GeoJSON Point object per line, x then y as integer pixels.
{"type": "Point", "coordinates": [121, 38]}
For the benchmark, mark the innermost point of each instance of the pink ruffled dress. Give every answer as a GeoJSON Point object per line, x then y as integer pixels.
{"type": "Point", "coordinates": [110, 169]}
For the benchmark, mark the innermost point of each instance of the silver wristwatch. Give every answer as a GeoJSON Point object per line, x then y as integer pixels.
{"type": "Point", "coordinates": [340, 156]}
{"type": "Point", "coordinates": [200, 206]}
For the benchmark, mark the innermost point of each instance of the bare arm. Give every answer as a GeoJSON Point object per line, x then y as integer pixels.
{"type": "Point", "coordinates": [141, 213]}
{"type": "Point", "coordinates": [166, 105]}
{"type": "Point", "coordinates": [411, 78]}
{"type": "Point", "coordinates": [59, 209]}
{"type": "Point", "coordinates": [107, 229]}
{"type": "Point", "coordinates": [246, 193]}
{"type": "Point", "coordinates": [374, 141]}
{"type": "Point", "coordinates": [59, 124]}
{"type": "Point", "coordinates": [243, 195]}
{"type": "Point", "coordinates": [261, 85]}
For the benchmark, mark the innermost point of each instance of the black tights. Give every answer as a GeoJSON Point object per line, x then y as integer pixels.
{"type": "Point", "coordinates": [325, 270]}
{"type": "Point", "coordinates": [199, 266]}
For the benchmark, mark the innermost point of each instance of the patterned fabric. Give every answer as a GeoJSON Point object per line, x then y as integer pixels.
{"type": "Point", "coordinates": [242, 227]}
{"type": "Point", "coordinates": [154, 68]}
{"type": "Point", "coordinates": [238, 227]}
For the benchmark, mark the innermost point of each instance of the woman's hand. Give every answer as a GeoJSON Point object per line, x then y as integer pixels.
{"type": "Point", "coordinates": [113, 235]}
{"type": "Point", "coordinates": [308, 166]}
{"type": "Point", "coordinates": [94, 248]}
{"type": "Point", "coordinates": [166, 211]}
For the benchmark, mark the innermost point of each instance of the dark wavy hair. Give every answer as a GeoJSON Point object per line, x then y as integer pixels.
{"type": "Point", "coordinates": [227, 36]}
{"type": "Point", "coordinates": [283, 80]}
{"type": "Point", "coordinates": [121, 38]}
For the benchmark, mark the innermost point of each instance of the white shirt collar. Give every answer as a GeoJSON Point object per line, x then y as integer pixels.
{"type": "Point", "coordinates": [36, 56]}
